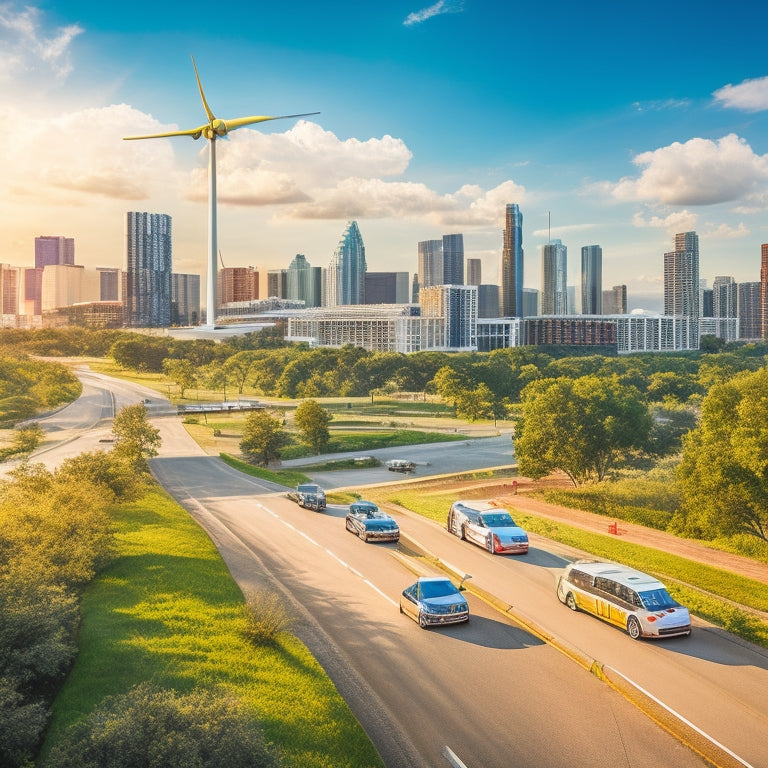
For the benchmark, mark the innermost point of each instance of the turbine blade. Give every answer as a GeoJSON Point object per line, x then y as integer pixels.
{"type": "Point", "coordinates": [195, 133]}
{"type": "Point", "coordinates": [208, 112]}
{"type": "Point", "coordinates": [238, 122]}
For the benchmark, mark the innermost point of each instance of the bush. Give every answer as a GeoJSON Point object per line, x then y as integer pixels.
{"type": "Point", "coordinates": [265, 618]}
{"type": "Point", "coordinates": [157, 728]}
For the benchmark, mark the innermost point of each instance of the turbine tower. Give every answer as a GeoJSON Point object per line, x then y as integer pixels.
{"type": "Point", "coordinates": [215, 128]}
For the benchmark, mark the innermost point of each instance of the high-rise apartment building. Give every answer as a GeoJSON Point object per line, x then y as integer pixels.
{"type": "Point", "coordinates": [185, 299]}
{"type": "Point", "coordinates": [52, 249]}
{"type": "Point", "coordinates": [430, 263]}
{"type": "Point", "coordinates": [148, 258]}
{"type": "Point", "coordinates": [237, 284]}
{"type": "Point", "coordinates": [750, 311]}
{"type": "Point", "coordinates": [453, 260]}
{"type": "Point", "coordinates": [764, 289]}
{"type": "Point", "coordinates": [725, 296]}
{"type": "Point", "coordinates": [681, 282]}
{"type": "Point", "coordinates": [474, 271]}
{"type": "Point", "coordinates": [11, 291]}
{"type": "Point", "coordinates": [33, 291]}
{"type": "Point", "coordinates": [488, 304]}
{"type": "Point", "coordinates": [615, 300]}
{"type": "Point", "coordinates": [591, 280]}
{"type": "Point", "coordinates": [554, 278]}
{"type": "Point", "coordinates": [512, 263]}
{"type": "Point", "coordinates": [346, 271]}
{"type": "Point", "coordinates": [277, 284]}
{"type": "Point", "coordinates": [66, 284]}
{"type": "Point", "coordinates": [530, 302]}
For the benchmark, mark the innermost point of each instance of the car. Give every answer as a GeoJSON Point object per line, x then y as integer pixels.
{"type": "Point", "coordinates": [487, 526]}
{"type": "Point", "coordinates": [623, 596]}
{"type": "Point", "coordinates": [400, 465]}
{"type": "Point", "coordinates": [434, 600]}
{"type": "Point", "coordinates": [371, 524]}
{"type": "Point", "coordinates": [309, 496]}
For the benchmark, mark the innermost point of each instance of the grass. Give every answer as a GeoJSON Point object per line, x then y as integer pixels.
{"type": "Point", "coordinates": [715, 590]}
{"type": "Point", "coordinates": [167, 610]}
{"type": "Point", "coordinates": [286, 477]}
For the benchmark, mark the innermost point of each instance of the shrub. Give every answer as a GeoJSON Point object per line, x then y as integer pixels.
{"type": "Point", "coordinates": [265, 618]}
{"type": "Point", "coordinates": [158, 728]}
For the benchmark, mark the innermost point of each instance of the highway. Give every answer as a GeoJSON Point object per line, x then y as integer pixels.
{"type": "Point", "coordinates": [489, 693]}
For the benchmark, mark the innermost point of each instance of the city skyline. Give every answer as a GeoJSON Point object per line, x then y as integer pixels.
{"type": "Point", "coordinates": [624, 149]}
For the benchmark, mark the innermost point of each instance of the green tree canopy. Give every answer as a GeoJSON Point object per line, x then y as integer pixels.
{"type": "Point", "coordinates": [312, 421]}
{"type": "Point", "coordinates": [136, 438]}
{"type": "Point", "coordinates": [582, 427]}
{"type": "Point", "coordinates": [263, 437]}
{"type": "Point", "coordinates": [724, 469]}
{"type": "Point", "coordinates": [181, 372]}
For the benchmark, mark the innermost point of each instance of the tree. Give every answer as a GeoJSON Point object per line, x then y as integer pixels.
{"type": "Point", "coordinates": [582, 427]}
{"type": "Point", "coordinates": [263, 437]}
{"type": "Point", "coordinates": [238, 369]}
{"type": "Point", "coordinates": [724, 470]}
{"type": "Point", "coordinates": [312, 421]}
{"type": "Point", "coordinates": [181, 372]}
{"type": "Point", "coordinates": [475, 404]}
{"type": "Point", "coordinates": [135, 437]}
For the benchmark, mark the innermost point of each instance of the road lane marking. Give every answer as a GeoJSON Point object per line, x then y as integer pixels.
{"type": "Point", "coordinates": [453, 758]}
{"type": "Point", "coordinates": [333, 555]}
{"type": "Point", "coordinates": [684, 720]}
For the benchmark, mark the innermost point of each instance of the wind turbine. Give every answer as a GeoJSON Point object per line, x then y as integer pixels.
{"type": "Point", "coordinates": [215, 128]}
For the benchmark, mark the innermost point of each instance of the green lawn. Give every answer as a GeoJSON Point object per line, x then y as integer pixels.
{"type": "Point", "coordinates": [167, 610]}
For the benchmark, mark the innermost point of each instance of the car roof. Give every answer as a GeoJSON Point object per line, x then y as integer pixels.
{"type": "Point", "coordinates": [621, 574]}
{"type": "Point", "coordinates": [479, 506]}
{"type": "Point", "coordinates": [422, 579]}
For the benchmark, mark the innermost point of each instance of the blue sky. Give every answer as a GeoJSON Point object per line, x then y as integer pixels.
{"type": "Point", "coordinates": [624, 123]}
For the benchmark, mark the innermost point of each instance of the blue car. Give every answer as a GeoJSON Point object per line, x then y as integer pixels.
{"type": "Point", "coordinates": [433, 601]}
{"type": "Point", "coordinates": [368, 522]}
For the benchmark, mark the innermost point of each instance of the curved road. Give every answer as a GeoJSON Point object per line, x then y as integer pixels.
{"type": "Point", "coordinates": [484, 694]}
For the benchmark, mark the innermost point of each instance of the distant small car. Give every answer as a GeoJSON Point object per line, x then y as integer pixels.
{"type": "Point", "coordinates": [434, 600]}
{"type": "Point", "coordinates": [309, 496]}
{"type": "Point", "coordinates": [487, 526]}
{"type": "Point", "coordinates": [400, 465]}
{"type": "Point", "coordinates": [368, 522]}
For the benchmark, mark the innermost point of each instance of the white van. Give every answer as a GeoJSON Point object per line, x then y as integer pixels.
{"type": "Point", "coordinates": [623, 596]}
{"type": "Point", "coordinates": [487, 526]}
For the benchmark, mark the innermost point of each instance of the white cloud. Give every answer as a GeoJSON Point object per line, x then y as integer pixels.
{"type": "Point", "coordinates": [727, 232]}
{"type": "Point", "coordinates": [439, 8]}
{"type": "Point", "coordinates": [678, 221]}
{"type": "Point", "coordinates": [698, 172]}
{"type": "Point", "coordinates": [749, 95]}
{"type": "Point", "coordinates": [28, 48]}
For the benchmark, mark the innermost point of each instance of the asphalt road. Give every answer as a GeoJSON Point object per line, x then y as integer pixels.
{"type": "Point", "coordinates": [490, 692]}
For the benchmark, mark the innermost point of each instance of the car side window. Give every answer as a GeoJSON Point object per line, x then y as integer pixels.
{"type": "Point", "coordinates": [411, 592]}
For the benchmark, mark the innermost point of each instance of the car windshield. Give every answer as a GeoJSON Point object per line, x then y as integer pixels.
{"type": "Point", "coordinates": [437, 589]}
{"type": "Point", "coordinates": [308, 488]}
{"type": "Point", "coordinates": [657, 599]}
{"type": "Point", "coordinates": [499, 520]}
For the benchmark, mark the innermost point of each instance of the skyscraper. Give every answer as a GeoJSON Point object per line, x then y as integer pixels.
{"type": "Point", "coordinates": [148, 264]}
{"type": "Point", "coordinates": [300, 281]}
{"type": "Point", "coordinates": [512, 264]}
{"type": "Point", "coordinates": [474, 271]}
{"type": "Point", "coordinates": [430, 264]}
{"type": "Point", "coordinates": [750, 325]}
{"type": "Point", "coordinates": [185, 295]}
{"type": "Point", "coordinates": [346, 271]}
{"type": "Point", "coordinates": [764, 289]}
{"type": "Point", "coordinates": [237, 284]}
{"type": "Point", "coordinates": [453, 260]}
{"type": "Point", "coordinates": [554, 278]}
{"type": "Point", "coordinates": [457, 305]}
{"type": "Point", "coordinates": [591, 280]}
{"type": "Point", "coordinates": [681, 283]}
{"type": "Point", "coordinates": [109, 283]}
{"type": "Point", "coordinates": [52, 249]}
{"type": "Point", "coordinates": [615, 300]}
{"type": "Point", "coordinates": [724, 297]}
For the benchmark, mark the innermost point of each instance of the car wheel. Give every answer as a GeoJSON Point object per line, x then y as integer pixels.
{"type": "Point", "coordinates": [463, 532]}
{"type": "Point", "coordinates": [363, 536]}
{"type": "Point", "coordinates": [423, 621]}
{"type": "Point", "coordinates": [633, 628]}
{"type": "Point", "coordinates": [570, 601]}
